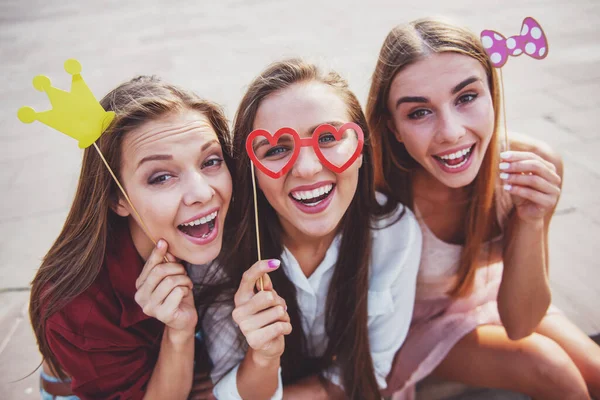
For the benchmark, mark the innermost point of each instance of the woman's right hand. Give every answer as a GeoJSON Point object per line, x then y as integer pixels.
{"type": "Point", "coordinates": [164, 291]}
{"type": "Point", "coordinates": [262, 316]}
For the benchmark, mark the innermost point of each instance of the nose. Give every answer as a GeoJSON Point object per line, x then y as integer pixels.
{"type": "Point", "coordinates": [450, 127]}
{"type": "Point", "coordinates": [197, 189]}
{"type": "Point", "coordinates": [307, 164]}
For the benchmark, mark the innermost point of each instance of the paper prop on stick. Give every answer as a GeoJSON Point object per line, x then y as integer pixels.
{"type": "Point", "coordinates": [275, 154]}
{"type": "Point", "coordinates": [76, 114]}
{"type": "Point", "coordinates": [530, 41]}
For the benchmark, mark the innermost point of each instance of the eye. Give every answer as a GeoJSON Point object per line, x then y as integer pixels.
{"type": "Point", "coordinates": [326, 138]}
{"type": "Point", "coordinates": [276, 151]}
{"type": "Point", "coordinates": [159, 179]}
{"type": "Point", "coordinates": [418, 114]}
{"type": "Point", "coordinates": [466, 98]}
{"type": "Point", "coordinates": [213, 162]}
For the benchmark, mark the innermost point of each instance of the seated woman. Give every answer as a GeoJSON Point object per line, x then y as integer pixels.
{"type": "Point", "coordinates": [342, 267]}
{"type": "Point", "coordinates": [109, 308]}
{"type": "Point", "coordinates": [481, 313]}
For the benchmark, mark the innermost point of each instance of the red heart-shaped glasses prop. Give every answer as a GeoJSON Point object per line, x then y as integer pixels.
{"type": "Point", "coordinates": [298, 142]}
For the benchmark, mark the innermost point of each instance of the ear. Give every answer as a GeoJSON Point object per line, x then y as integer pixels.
{"type": "Point", "coordinates": [392, 127]}
{"type": "Point", "coordinates": [120, 207]}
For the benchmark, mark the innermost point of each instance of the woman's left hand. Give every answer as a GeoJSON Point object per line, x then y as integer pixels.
{"type": "Point", "coordinates": [533, 183]}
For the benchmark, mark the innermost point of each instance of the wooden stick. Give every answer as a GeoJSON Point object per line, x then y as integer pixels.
{"type": "Point", "coordinates": [502, 100]}
{"type": "Point", "coordinates": [256, 220]}
{"type": "Point", "coordinates": [144, 227]}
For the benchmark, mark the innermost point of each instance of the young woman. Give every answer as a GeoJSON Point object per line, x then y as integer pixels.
{"type": "Point", "coordinates": [106, 307]}
{"type": "Point", "coordinates": [343, 269]}
{"type": "Point", "coordinates": [481, 312]}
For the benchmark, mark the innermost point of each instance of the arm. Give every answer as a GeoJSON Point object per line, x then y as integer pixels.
{"type": "Point", "coordinates": [109, 362]}
{"type": "Point", "coordinates": [524, 294]}
{"type": "Point", "coordinates": [164, 291]}
{"type": "Point", "coordinates": [263, 321]}
{"type": "Point", "coordinates": [172, 375]}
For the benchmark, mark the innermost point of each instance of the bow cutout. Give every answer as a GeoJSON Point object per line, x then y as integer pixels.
{"type": "Point", "coordinates": [531, 41]}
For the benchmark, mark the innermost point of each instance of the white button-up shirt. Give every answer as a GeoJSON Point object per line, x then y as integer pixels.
{"type": "Point", "coordinates": [395, 260]}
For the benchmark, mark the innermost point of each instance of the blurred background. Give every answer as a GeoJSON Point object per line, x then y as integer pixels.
{"type": "Point", "coordinates": [216, 48]}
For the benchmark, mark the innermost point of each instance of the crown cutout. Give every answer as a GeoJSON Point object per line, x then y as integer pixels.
{"type": "Point", "coordinates": [76, 113]}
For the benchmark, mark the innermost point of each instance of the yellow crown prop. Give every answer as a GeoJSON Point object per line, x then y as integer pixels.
{"type": "Point", "coordinates": [76, 113]}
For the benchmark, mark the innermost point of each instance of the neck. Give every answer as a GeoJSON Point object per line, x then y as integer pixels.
{"type": "Point", "coordinates": [309, 251]}
{"type": "Point", "coordinates": [142, 243]}
{"type": "Point", "coordinates": [426, 188]}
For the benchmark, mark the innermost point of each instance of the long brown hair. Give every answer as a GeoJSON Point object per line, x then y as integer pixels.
{"type": "Point", "coordinates": [346, 308]}
{"type": "Point", "coordinates": [76, 257]}
{"type": "Point", "coordinates": [394, 167]}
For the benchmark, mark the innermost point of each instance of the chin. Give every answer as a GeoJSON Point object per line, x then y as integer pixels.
{"type": "Point", "coordinates": [201, 254]}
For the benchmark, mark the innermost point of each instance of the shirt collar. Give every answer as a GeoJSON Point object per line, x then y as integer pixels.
{"type": "Point", "coordinates": [295, 274]}
{"type": "Point", "coordinates": [124, 265]}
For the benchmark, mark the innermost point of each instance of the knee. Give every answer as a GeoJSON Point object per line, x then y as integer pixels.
{"type": "Point", "coordinates": [552, 373]}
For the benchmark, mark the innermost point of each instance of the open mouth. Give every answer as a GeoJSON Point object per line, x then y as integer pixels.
{"type": "Point", "coordinates": [200, 228]}
{"type": "Point", "coordinates": [312, 198]}
{"type": "Point", "coordinates": [457, 159]}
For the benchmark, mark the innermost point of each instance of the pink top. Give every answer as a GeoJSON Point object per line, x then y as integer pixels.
{"type": "Point", "coordinates": [440, 321]}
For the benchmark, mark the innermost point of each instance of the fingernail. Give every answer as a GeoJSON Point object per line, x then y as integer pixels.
{"type": "Point", "coordinates": [504, 175]}
{"type": "Point", "coordinates": [160, 244]}
{"type": "Point", "coordinates": [285, 308]}
{"type": "Point", "coordinates": [505, 154]}
{"type": "Point", "coordinates": [507, 187]}
{"type": "Point", "coordinates": [504, 165]}
{"type": "Point", "coordinates": [274, 264]}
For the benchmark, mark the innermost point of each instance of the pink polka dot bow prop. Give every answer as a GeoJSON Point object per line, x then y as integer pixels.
{"type": "Point", "coordinates": [531, 41]}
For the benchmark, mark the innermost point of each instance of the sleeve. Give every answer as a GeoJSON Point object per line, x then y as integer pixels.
{"type": "Point", "coordinates": [226, 352]}
{"type": "Point", "coordinates": [392, 294]}
{"type": "Point", "coordinates": [101, 369]}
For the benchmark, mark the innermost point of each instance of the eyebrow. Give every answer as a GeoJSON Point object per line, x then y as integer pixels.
{"type": "Point", "coordinates": [337, 124]}
{"type": "Point", "coordinates": [455, 89]}
{"type": "Point", "coordinates": [162, 157]}
{"type": "Point", "coordinates": [464, 84]}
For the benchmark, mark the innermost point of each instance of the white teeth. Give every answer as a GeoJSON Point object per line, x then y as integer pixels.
{"type": "Point", "coordinates": [202, 220]}
{"type": "Point", "coordinates": [311, 194]}
{"type": "Point", "coordinates": [457, 154]}
{"type": "Point", "coordinates": [460, 164]}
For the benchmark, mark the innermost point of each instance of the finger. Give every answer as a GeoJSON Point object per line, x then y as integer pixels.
{"type": "Point", "coordinates": [158, 273]}
{"type": "Point", "coordinates": [259, 302]}
{"type": "Point", "coordinates": [263, 318]}
{"type": "Point", "coordinates": [156, 257]}
{"type": "Point", "coordinates": [536, 167]}
{"type": "Point", "coordinates": [167, 308]}
{"type": "Point", "coordinates": [259, 338]}
{"type": "Point", "coordinates": [525, 155]}
{"type": "Point", "coordinates": [170, 257]}
{"type": "Point", "coordinates": [532, 181]}
{"type": "Point", "coordinates": [267, 283]}
{"type": "Point", "coordinates": [167, 285]}
{"type": "Point", "coordinates": [246, 290]}
{"type": "Point", "coordinates": [543, 201]}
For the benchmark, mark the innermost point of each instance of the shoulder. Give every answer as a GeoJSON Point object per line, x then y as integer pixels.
{"type": "Point", "coordinates": [91, 315]}
{"type": "Point", "coordinates": [521, 142]}
{"type": "Point", "coordinates": [397, 242]}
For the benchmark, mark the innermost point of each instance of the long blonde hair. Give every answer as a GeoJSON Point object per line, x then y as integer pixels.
{"type": "Point", "coordinates": [404, 45]}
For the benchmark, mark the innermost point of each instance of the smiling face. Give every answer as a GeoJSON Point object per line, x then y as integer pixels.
{"type": "Point", "coordinates": [442, 111]}
{"type": "Point", "coordinates": [309, 199]}
{"type": "Point", "coordinates": [174, 173]}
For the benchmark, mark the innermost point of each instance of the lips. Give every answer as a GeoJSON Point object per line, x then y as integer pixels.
{"type": "Point", "coordinates": [314, 198]}
{"type": "Point", "coordinates": [199, 227]}
{"type": "Point", "coordinates": [455, 159]}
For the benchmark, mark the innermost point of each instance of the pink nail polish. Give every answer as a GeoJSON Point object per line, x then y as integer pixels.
{"type": "Point", "coordinates": [274, 264]}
